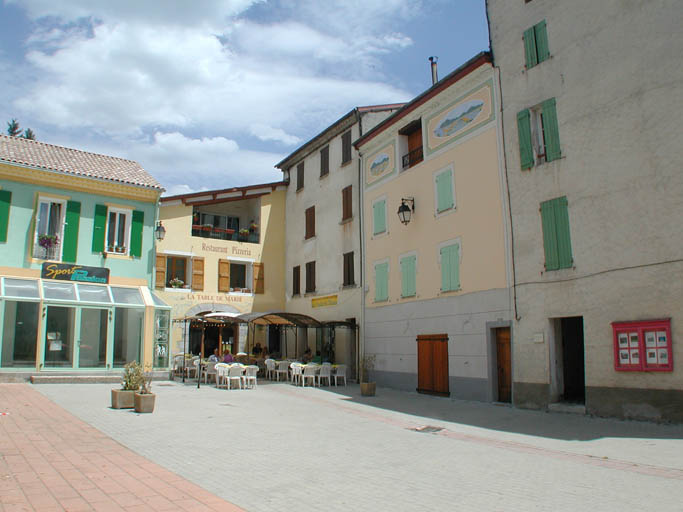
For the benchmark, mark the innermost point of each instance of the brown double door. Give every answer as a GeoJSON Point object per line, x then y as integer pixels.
{"type": "Point", "coordinates": [432, 364]}
{"type": "Point", "coordinates": [503, 364]}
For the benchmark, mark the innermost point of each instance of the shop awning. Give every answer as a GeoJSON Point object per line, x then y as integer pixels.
{"type": "Point", "coordinates": [280, 318]}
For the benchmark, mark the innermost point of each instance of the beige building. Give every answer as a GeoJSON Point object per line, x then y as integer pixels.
{"type": "Point", "coordinates": [436, 280]}
{"type": "Point", "coordinates": [591, 102]}
{"type": "Point", "coordinates": [222, 253]}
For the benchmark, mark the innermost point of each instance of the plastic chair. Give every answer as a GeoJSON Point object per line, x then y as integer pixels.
{"type": "Point", "coordinates": [325, 373]}
{"type": "Point", "coordinates": [282, 369]}
{"type": "Point", "coordinates": [250, 373]}
{"type": "Point", "coordinates": [309, 373]}
{"type": "Point", "coordinates": [296, 373]}
{"type": "Point", "coordinates": [178, 364]}
{"type": "Point", "coordinates": [221, 374]}
{"type": "Point", "coordinates": [235, 374]}
{"type": "Point", "coordinates": [270, 368]}
{"type": "Point", "coordinates": [191, 366]}
{"type": "Point", "coordinates": [210, 371]}
{"type": "Point", "coordinates": [340, 373]}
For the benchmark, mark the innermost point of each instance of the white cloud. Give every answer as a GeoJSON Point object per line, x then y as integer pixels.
{"type": "Point", "coordinates": [265, 133]}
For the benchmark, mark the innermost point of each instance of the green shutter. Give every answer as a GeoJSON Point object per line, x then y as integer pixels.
{"type": "Point", "coordinates": [381, 282]}
{"type": "Point", "coordinates": [444, 191]}
{"type": "Point", "coordinates": [526, 153]}
{"type": "Point", "coordinates": [455, 267]}
{"type": "Point", "coordinates": [450, 268]}
{"type": "Point", "coordinates": [408, 276]}
{"type": "Point", "coordinates": [5, 200]}
{"type": "Point", "coordinates": [551, 133]}
{"type": "Point", "coordinates": [136, 233]}
{"type": "Point", "coordinates": [379, 217]}
{"type": "Point", "coordinates": [541, 41]}
{"type": "Point", "coordinates": [549, 235]}
{"type": "Point", "coordinates": [73, 216]}
{"type": "Point", "coordinates": [564, 244]}
{"type": "Point", "coordinates": [530, 48]}
{"type": "Point", "coordinates": [99, 228]}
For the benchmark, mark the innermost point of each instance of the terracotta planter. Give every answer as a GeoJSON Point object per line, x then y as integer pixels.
{"type": "Point", "coordinates": [367, 388]}
{"type": "Point", "coordinates": [144, 403]}
{"type": "Point", "coordinates": [122, 399]}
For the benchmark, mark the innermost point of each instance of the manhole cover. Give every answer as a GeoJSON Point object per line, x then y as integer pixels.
{"type": "Point", "coordinates": [427, 428]}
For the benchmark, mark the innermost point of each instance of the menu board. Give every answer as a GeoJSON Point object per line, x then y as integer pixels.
{"type": "Point", "coordinates": [642, 346]}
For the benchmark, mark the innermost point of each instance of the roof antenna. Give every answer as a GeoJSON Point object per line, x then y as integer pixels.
{"type": "Point", "coordinates": [435, 76]}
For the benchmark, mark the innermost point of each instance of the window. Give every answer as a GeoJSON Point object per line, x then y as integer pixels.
{"type": "Point", "coordinates": [536, 45]}
{"type": "Point", "coordinates": [48, 234]}
{"type": "Point", "coordinates": [346, 147]}
{"type": "Point", "coordinates": [412, 136]}
{"type": "Point", "coordinates": [642, 346]}
{"type": "Point", "coordinates": [449, 258]}
{"type": "Point", "coordinates": [300, 176]}
{"type": "Point", "coordinates": [381, 281]}
{"type": "Point", "coordinates": [379, 217]}
{"type": "Point", "coordinates": [408, 282]}
{"type": "Point", "coordinates": [296, 280]}
{"type": "Point", "coordinates": [324, 161]}
{"type": "Point", "coordinates": [118, 231]}
{"type": "Point", "coordinates": [348, 269]}
{"type": "Point", "coordinates": [556, 240]}
{"type": "Point", "coordinates": [5, 200]}
{"type": "Point", "coordinates": [238, 275]}
{"type": "Point", "coordinates": [445, 193]}
{"type": "Point", "coordinates": [176, 269]}
{"type": "Point", "coordinates": [310, 223]}
{"type": "Point", "coordinates": [347, 203]}
{"type": "Point", "coordinates": [310, 276]}
{"type": "Point", "coordinates": [539, 136]}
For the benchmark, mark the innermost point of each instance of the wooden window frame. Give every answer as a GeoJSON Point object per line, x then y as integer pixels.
{"type": "Point", "coordinates": [170, 265]}
{"type": "Point", "coordinates": [347, 203]}
{"type": "Point", "coordinates": [296, 280]}
{"type": "Point", "coordinates": [348, 270]}
{"type": "Point", "coordinates": [299, 176]}
{"type": "Point", "coordinates": [309, 226]}
{"type": "Point", "coordinates": [310, 277]}
{"type": "Point", "coordinates": [347, 153]}
{"type": "Point", "coordinates": [640, 346]}
{"type": "Point", "coordinates": [325, 161]}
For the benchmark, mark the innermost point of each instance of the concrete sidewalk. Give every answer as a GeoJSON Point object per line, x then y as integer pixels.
{"type": "Point", "coordinates": [280, 447]}
{"type": "Point", "coordinates": [52, 461]}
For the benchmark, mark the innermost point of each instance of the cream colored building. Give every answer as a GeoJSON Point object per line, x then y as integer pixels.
{"type": "Point", "coordinates": [442, 278]}
{"type": "Point", "coordinates": [224, 249]}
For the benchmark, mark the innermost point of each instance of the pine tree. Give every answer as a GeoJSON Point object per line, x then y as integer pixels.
{"type": "Point", "coordinates": [28, 134]}
{"type": "Point", "coordinates": [13, 128]}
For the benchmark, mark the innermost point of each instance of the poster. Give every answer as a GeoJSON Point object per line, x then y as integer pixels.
{"type": "Point", "coordinates": [651, 357]}
{"type": "Point", "coordinates": [635, 357]}
{"type": "Point", "coordinates": [661, 339]}
{"type": "Point", "coordinates": [634, 339]}
{"type": "Point", "coordinates": [623, 340]}
{"type": "Point", "coordinates": [663, 356]}
{"type": "Point", "coordinates": [650, 340]}
{"type": "Point", "coordinates": [623, 357]}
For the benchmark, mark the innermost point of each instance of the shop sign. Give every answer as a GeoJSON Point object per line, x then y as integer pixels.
{"type": "Point", "coordinates": [319, 302]}
{"type": "Point", "coordinates": [68, 272]}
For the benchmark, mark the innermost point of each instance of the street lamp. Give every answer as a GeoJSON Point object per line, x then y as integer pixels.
{"type": "Point", "coordinates": [159, 231]}
{"type": "Point", "coordinates": [405, 211]}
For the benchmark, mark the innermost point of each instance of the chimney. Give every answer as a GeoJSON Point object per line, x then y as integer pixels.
{"type": "Point", "coordinates": [435, 76]}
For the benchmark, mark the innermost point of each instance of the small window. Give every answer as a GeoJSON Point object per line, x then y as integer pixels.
{"type": "Point", "coordinates": [379, 217]}
{"type": "Point", "coordinates": [176, 272]}
{"type": "Point", "coordinates": [408, 281]}
{"type": "Point", "coordinates": [557, 243]}
{"type": "Point", "coordinates": [536, 45]}
{"type": "Point", "coordinates": [300, 176]}
{"type": "Point", "coordinates": [643, 346]}
{"type": "Point", "coordinates": [49, 229]}
{"type": "Point", "coordinates": [348, 269]}
{"type": "Point", "coordinates": [538, 132]}
{"type": "Point", "coordinates": [346, 147]}
{"type": "Point", "coordinates": [347, 202]}
{"type": "Point", "coordinates": [444, 190]}
{"type": "Point", "coordinates": [449, 259]}
{"type": "Point", "coordinates": [412, 140]}
{"type": "Point", "coordinates": [310, 277]}
{"type": "Point", "coordinates": [310, 223]}
{"type": "Point", "coordinates": [238, 275]}
{"type": "Point", "coordinates": [324, 161]}
{"type": "Point", "coordinates": [381, 282]}
{"type": "Point", "coordinates": [296, 280]}
{"type": "Point", "coordinates": [118, 231]}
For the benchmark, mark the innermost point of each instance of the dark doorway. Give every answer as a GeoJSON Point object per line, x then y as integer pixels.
{"type": "Point", "coordinates": [503, 364]}
{"type": "Point", "coordinates": [210, 339]}
{"type": "Point", "coordinates": [572, 360]}
{"type": "Point", "coordinates": [274, 339]}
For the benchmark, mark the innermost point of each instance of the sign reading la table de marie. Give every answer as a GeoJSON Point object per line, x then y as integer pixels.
{"type": "Point", "coordinates": [67, 272]}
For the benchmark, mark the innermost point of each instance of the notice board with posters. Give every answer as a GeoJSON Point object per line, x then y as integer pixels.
{"type": "Point", "coordinates": [643, 345]}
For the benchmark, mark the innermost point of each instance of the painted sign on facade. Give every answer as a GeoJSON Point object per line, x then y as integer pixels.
{"type": "Point", "coordinates": [460, 117]}
{"type": "Point", "coordinates": [319, 302]}
{"type": "Point", "coordinates": [380, 163]}
{"type": "Point", "coordinates": [68, 272]}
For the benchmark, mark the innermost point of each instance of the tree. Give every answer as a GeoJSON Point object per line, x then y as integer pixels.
{"type": "Point", "coordinates": [13, 128]}
{"type": "Point", "coordinates": [28, 134]}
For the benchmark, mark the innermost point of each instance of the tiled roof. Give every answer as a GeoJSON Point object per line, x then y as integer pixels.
{"type": "Point", "coordinates": [18, 150]}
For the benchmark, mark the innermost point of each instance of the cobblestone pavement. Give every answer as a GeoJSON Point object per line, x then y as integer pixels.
{"type": "Point", "coordinates": [51, 460]}
{"type": "Point", "coordinates": [280, 447]}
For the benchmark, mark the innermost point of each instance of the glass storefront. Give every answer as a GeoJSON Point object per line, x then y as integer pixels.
{"type": "Point", "coordinates": [19, 334]}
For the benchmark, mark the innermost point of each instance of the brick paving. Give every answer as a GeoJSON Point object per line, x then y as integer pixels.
{"type": "Point", "coordinates": [279, 447]}
{"type": "Point", "coordinates": [52, 461]}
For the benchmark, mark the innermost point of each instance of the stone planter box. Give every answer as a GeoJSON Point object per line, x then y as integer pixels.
{"type": "Point", "coordinates": [122, 399]}
{"type": "Point", "coordinates": [144, 403]}
{"type": "Point", "coordinates": [367, 388]}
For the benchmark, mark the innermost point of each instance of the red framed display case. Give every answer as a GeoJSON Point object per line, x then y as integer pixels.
{"type": "Point", "coordinates": [643, 346]}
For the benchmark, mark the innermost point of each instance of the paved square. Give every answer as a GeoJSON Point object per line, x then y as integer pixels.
{"type": "Point", "coordinates": [280, 447]}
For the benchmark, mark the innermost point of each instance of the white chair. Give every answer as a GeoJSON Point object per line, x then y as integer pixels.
{"type": "Point", "coordinates": [178, 364]}
{"type": "Point", "coordinates": [296, 373]}
{"type": "Point", "coordinates": [191, 366]}
{"type": "Point", "coordinates": [309, 373]}
{"type": "Point", "coordinates": [270, 368]}
{"type": "Point", "coordinates": [340, 373]}
{"type": "Point", "coordinates": [249, 377]}
{"type": "Point", "coordinates": [210, 371]}
{"type": "Point", "coordinates": [221, 375]}
{"type": "Point", "coordinates": [325, 373]}
{"type": "Point", "coordinates": [235, 374]}
{"type": "Point", "coordinates": [282, 369]}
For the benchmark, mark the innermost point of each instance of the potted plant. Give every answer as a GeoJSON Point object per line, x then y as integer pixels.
{"type": "Point", "coordinates": [48, 242]}
{"type": "Point", "coordinates": [243, 234]}
{"type": "Point", "coordinates": [253, 227]}
{"type": "Point", "coordinates": [124, 398]}
{"type": "Point", "coordinates": [120, 249]}
{"type": "Point", "coordinates": [176, 283]}
{"type": "Point", "coordinates": [367, 388]}
{"type": "Point", "coordinates": [144, 398]}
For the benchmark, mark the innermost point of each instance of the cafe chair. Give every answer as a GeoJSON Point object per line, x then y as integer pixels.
{"type": "Point", "coordinates": [249, 377]}
{"type": "Point", "coordinates": [325, 373]}
{"type": "Point", "coordinates": [282, 369]}
{"type": "Point", "coordinates": [210, 371]}
{"type": "Point", "coordinates": [270, 368]}
{"type": "Point", "coordinates": [309, 373]}
{"type": "Point", "coordinates": [296, 373]}
{"type": "Point", "coordinates": [340, 373]}
{"type": "Point", "coordinates": [235, 374]}
{"type": "Point", "coordinates": [221, 375]}
{"type": "Point", "coordinates": [191, 366]}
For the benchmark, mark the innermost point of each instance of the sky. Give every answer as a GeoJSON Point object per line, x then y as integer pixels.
{"type": "Point", "coordinates": [212, 94]}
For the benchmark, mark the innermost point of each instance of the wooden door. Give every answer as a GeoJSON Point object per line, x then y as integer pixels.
{"type": "Point", "coordinates": [432, 364]}
{"type": "Point", "coordinates": [503, 363]}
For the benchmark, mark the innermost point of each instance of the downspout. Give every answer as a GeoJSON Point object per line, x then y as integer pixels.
{"type": "Point", "coordinates": [361, 257]}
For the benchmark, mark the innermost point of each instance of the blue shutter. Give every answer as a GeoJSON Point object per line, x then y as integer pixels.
{"type": "Point", "coordinates": [551, 132]}
{"type": "Point", "coordinates": [381, 282]}
{"type": "Point", "coordinates": [408, 276]}
{"type": "Point", "coordinates": [444, 191]}
{"type": "Point", "coordinates": [379, 217]}
{"type": "Point", "coordinates": [530, 47]}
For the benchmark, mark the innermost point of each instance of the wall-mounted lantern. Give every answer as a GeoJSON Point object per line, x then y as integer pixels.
{"type": "Point", "coordinates": [159, 231]}
{"type": "Point", "coordinates": [405, 211]}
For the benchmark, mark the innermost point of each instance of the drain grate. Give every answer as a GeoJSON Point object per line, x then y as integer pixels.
{"type": "Point", "coordinates": [428, 429]}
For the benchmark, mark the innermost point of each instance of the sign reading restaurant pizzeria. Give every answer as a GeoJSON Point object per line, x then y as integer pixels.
{"type": "Point", "coordinates": [68, 272]}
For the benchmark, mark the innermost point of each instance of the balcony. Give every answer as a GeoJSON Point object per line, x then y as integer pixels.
{"type": "Point", "coordinates": [413, 157]}
{"type": "Point", "coordinates": [48, 250]}
{"type": "Point", "coordinates": [217, 233]}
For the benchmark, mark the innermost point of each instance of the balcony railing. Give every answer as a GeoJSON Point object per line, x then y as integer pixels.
{"type": "Point", "coordinates": [225, 234]}
{"type": "Point", "coordinates": [47, 253]}
{"type": "Point", "coordinates": [412, 158]}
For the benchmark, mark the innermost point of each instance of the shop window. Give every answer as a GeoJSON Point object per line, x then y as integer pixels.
{"type": "Point", "coordinates": [59, 336]}
{"type": "Point", "coordinates": [118, 231]}
{"type": "Point", "coordinates": [538, 133]}
{"type": "Point", "coordinates": [47, 243]}
{"type": "Point", "coordinates": [128, 331]}
{"type": "Point", "coordinates": [536, 44]}
{"type": "Point", "coordinates": [643, 346]}
{"type": "Point", "coordinates": [19, 333]}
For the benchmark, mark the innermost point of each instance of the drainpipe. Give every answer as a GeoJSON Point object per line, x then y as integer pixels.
{"type": "Point", "coordinates": [361, 256]}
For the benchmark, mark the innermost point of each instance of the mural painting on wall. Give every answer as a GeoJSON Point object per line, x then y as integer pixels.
{"type": "Point", "coordinates": [380, 163]}
{"type": "Point", "coordinates": [460, 117]}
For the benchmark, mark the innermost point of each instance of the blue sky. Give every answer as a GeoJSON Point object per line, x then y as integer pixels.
{"type": "Point", "coordinates": [213, 98]}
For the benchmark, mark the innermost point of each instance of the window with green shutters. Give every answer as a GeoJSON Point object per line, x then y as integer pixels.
{"type": "Point", "coordinates": [539, 134]}
{"type": "Point", "coordinates": [5, 201]}
{"type": "Point", "coordinates": [379, 218]}
{"type": "Point", "coordinates": [557, 243]}
{"type": "Point", "coordinates": [136, 233]}
{"type": "Point", "coordinates": [444, 191]}
{"type": "Point", "coordinates": [408, 281]}
{"type": "Point", "coordinates": [450, 267]}
{"type": "Point", "coordinates": [99, 228]}
{"type": "Point", "coordinates": [73, 216]}
{"type": "Point", "coordinates": [381, 282]}
{"type": "Point", "coordinates": [536, 44]}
